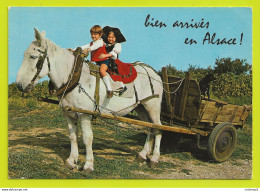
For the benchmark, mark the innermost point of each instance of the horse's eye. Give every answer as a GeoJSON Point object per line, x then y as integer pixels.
{"type": "Point", "coordinates": [33, 57]}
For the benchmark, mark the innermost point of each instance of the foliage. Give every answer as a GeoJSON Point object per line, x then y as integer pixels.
{"type": "Point", "coordinates": [233, 77]}
{"type": "Point", "coordinates": [237, 66]}
{"type": "Point", "coordinates": [172, 71]}
{"type": "Point", "coordinates": [40, 90]}
{"type": "Point", "coordinates": [232, 85]}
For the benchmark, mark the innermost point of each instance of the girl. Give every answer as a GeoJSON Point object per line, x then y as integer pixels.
{"type": "Point", "coordinates": [113, 48]}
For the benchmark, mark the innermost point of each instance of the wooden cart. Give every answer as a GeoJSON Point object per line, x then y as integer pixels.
{"type": "Point", "coordinates": [216, 120]}
{"type": "Point", "coordinates": [184, 112]}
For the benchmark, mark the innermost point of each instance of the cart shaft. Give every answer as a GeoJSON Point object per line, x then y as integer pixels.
{"type": "Point", "coordinates": [176, 129]}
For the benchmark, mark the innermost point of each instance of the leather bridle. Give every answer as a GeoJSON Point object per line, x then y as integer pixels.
{"type": "Point", "coordinates": [39, 65]}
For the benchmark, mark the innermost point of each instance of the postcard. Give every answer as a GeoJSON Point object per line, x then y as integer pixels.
{"type": "Point", "coordinates": [130, 93]}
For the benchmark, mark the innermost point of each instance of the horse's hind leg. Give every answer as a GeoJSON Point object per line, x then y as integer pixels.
{"type": "Point", "coordinates": [148, 146]}
{"type": "Point", "coordinates": [156, 152]}
{"type": "Point", "coordinates": [153, 108]}
{"type": "Point", "coordinates": [74, 153]}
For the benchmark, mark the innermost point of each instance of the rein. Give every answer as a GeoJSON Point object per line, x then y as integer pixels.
{"type": "Point", "coordinates": [39, 65]}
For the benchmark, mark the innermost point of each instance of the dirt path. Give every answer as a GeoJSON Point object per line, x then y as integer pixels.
{"type": "Point", "coordinates": [239, 169]}
{"type": "Point", "coordinates": [176, 167]}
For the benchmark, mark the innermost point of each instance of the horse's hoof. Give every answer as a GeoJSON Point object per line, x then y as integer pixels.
{"type": "Point", "coordinates": [154, 164]}
{"type": "Point", "coordinates": [140, 159]}
{"type": "Point", "coordinates": [88, 170]}
{"type": "Point", "coordinates": [71, 166]}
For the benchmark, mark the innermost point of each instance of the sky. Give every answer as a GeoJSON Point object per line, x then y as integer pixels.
{"type": "Point", "coordinates": [68, 27]}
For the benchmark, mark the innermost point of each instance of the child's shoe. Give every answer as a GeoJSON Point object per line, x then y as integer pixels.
{"type": "Point", "coordinates": [122, 90]}
{"type": "Point", "coordinates": [109, 94]}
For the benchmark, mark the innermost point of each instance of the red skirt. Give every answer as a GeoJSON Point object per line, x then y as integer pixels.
{"type": "Point", "coordinates": [126, 72]}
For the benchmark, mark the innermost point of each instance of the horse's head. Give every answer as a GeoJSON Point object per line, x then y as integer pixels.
{"type": "Point", "coordinates": [35, 63]}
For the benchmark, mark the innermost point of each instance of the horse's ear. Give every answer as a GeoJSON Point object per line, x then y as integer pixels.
{"type": "Point", "coordinates": [38, 36]}
{"type": "Point", "coordinates": [43, 33]}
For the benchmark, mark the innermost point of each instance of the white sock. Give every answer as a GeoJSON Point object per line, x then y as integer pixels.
{"type": "Point", "coordinates": [122, 84]}
{"type": "Point", "coordinates": [107, 83]}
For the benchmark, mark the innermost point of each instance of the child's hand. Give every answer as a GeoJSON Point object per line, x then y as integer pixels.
{"type": "Point", "coordinates": [101, 56]}
{"type": "Point", "coordinates": [69, 49]}
{"type": "Point", "coordinates": [86, 51]}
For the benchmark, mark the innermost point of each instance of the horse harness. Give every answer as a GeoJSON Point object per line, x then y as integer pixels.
{"type": "Point", "coordinates": [39, 64]}
{"type": "Point", "coordinates": [73, 78]}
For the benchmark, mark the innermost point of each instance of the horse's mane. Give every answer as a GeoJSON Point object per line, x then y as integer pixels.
{"type": "Point", "coordinates": [55, 49]}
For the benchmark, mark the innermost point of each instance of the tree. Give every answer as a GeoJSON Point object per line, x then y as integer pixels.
{"type": "Point", "coordinates": [237, 66]}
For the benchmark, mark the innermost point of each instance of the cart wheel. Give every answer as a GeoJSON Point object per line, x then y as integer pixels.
{"type": "Point", "coordinates": [222, 142]}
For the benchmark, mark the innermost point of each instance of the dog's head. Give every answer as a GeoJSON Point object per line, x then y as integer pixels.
{"type": "Point", "coordinates": [210, 77]}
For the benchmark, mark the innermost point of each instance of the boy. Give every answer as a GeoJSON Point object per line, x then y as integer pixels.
{"type": "Point", "coordinates": [97, 47]}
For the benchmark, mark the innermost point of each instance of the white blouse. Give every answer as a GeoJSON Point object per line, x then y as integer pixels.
{"type": "Point", "coordinates": [116, 51]}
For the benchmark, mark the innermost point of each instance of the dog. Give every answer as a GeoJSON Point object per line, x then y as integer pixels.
{"type": "Point", "coordinates": [204, 84]}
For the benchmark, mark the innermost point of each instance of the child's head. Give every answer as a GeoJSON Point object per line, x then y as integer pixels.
{"type": "Point", "coordinates": [111, 37]}
{"type": "Point", "coordinates": [96, 32]}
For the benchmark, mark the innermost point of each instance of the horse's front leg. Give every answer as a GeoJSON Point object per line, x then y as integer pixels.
{"type": "Point", "coordinates": [87, 139]}
{"type": "Point", "coordinates": [74, 153]}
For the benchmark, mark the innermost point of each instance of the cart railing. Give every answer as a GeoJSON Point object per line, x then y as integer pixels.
{"type": "Point", "coordinates": [183, 102]}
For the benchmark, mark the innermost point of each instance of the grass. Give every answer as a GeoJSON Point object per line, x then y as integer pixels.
{"type": "Point", "coordinates": [28, 164]}
{"type": "Point", "coordinates": [39, 146]}
{"type": "Point", "coordinates": [186, 171]}
{"type": "Point", "coordinates": [24, 114]}
{"type": "Point", "coordinates": [243, 149]}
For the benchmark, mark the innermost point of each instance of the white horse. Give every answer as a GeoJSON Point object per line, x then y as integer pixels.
{"type": "Point", "coordinates": [59, 68]}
